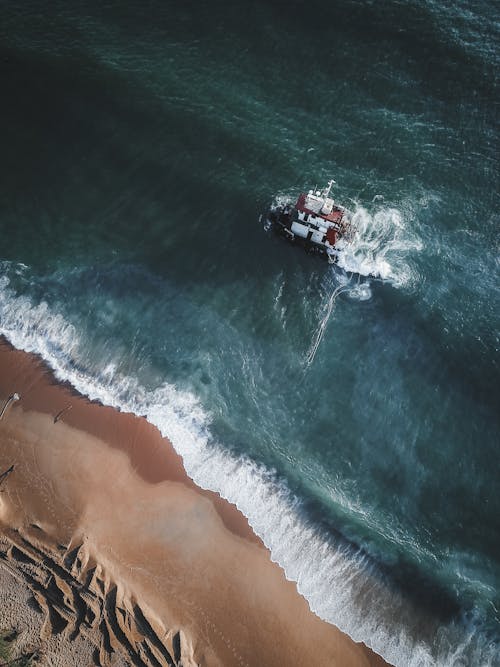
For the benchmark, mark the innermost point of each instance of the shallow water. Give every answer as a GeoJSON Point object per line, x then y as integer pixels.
{"type": "Point", "coordinates": [351, 412]}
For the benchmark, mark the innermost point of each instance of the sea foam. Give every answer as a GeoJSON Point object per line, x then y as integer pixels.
{"type": "Point", "coordinates": [382, 246]}
{"type": "Point", "coordinates": [340, 583]}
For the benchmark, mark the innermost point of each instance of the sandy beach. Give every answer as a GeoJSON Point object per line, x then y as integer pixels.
{"type": "Point", "coordinates": [111, 555]}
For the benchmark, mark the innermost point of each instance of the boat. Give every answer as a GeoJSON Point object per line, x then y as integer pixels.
{"type": "Point", "coordinates": [315, 222]}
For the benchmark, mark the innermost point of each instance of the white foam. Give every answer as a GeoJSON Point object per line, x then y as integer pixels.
{"type": "Point", "coordinates": [338, 584]}
{"type": "Point", "coordinates": [382, 247]}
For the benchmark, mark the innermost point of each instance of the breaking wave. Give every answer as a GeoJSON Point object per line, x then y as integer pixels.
{"type": "Point", "coordinates": [341, 584]}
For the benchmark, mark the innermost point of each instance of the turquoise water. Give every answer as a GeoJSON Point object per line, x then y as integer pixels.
{"type": "Point", "coordinates": [351, 412]}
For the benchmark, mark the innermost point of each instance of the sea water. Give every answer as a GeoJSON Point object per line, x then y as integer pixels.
{"type": "Point", "coordinates": [351, 412]}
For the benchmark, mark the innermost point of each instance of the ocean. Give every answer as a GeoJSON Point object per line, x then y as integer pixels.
{"type": "Point", "coordinates": [352, 411]}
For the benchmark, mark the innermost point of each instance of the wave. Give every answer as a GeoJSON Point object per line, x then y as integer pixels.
{"type": "Point", "coordinates": [340, 583]}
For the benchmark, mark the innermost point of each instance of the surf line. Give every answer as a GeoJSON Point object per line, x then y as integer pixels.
{"type": "Point", "coordinates": [320, 332]}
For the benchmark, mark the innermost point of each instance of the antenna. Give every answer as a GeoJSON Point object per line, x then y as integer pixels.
{"type": "Point", "coordinates": [326, 191]}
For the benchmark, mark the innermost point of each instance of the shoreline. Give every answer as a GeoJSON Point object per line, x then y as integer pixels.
{"type": "Point", "coordinates": [90, 478]}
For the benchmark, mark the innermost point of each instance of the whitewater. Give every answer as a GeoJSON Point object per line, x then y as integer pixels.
{"type": "Point", "coordinates": [340, 582]}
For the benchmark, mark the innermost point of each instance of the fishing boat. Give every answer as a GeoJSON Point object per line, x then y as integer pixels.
{"type": "Point", "coordinates": [315, 222]}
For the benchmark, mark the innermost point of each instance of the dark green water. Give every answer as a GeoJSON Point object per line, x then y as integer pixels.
{"type": "Point", "coordinates": [352, 413]}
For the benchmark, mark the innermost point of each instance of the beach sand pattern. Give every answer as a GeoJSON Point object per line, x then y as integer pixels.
{"type": "Point", "coordinates": [76, 606]}
{"type": "Point", "coordinates": [126, 560]}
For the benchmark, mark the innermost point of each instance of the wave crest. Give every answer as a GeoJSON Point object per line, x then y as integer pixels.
{"type": "Point", "coordinates": [340, 583]}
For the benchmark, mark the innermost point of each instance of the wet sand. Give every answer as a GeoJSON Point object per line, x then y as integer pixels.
{"type": "Point", "coordinates": [127, 560]}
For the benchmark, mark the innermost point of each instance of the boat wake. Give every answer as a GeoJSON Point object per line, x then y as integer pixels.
{"type": "Point", "coordinates": [325, 317]}
{"type": "Point", "coordinates": [382, 248]}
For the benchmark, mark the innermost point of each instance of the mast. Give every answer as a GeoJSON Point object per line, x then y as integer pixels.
{"type": "Point", "coordinates": [326, 191]}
